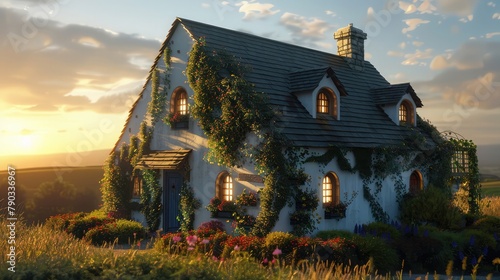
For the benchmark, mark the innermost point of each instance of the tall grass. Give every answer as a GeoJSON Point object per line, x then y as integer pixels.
{"type": "Point", "coordinates": [491, 206]}
{"type": "Point", "coordinates": [43, 253]}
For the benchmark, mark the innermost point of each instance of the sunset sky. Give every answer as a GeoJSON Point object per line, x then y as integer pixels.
{"type": "Point", "coordinates": [71, 69]}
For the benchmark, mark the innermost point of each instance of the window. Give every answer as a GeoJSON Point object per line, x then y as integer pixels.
{"type": "Point", "coordinates": [406, 113]}
{"type": "Point", "coordinates": [326, 102]}
{"type": "Point", "coordinates": [137, 186]}
{"type": "Point", "coordinates": [181, 103]}
{"type": "Point", "coordinates": [460, 162]}
{"type": "Point", "coordinates": [331, 189]}
{"type": "Point", "coordinates": [225, 186]}
{"type": "Point", "coordinates": [416, 183]}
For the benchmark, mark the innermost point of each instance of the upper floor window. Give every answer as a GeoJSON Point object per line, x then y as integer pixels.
{"type": "Point", "coordinates": [225, 186]}
{"type": "Point", "coordinates": [416, 183]}
{"type": "Point", "coordinates": [460, 162]}
{"type": "Point", "coordinates": [181, 104]}
{"type": "Point", "coordinates": [326, 102]}
{"type": "Point", "coordinates": [331, 188]}
{"type": "Point", "coordinates": [406, 113]}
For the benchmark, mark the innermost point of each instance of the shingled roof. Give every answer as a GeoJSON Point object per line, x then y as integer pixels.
{"type": "Point", "coordinates": [279, 69]}
{"type": "Point", "coordinates": [393, 93]}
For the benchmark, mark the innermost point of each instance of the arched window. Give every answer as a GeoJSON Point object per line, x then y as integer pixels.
{"type": "Point", "coordinates": [406, 113]}
{"type": "Point", "coordinates": [326, 102]}
{"type": "Point", "coordinates": [181, 103]}
{"type": "Point", "coordinates": [416, 182]}
{"type": "Point", "coordinates": [224, 186]}
{"type": "Point", "coordinates": [331, 188]}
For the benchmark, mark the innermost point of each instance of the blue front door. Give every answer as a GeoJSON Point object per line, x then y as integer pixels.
{"type": "Point", "coordinates": [171, 196]}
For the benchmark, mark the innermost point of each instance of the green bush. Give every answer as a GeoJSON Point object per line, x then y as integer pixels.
{"type": "Point", "coordinates": [488, 224]}
{"type": "Point", "coordinates": [431, 206]}
{"type": "Point", "coordinates": [280, 240]}
{"type": "Point", "coordinates": [123, 231]}
{"type": "Point", "coordinates": [424, 253]}
{"type": "Point", "coordinates": [385, 258]}
{"type": "Point", "coordinates": [383, 230]}
{"type": "Point", "coordinates": [329, 234]}
{"type": "Point", "coordinates": [79, 227]}
{"type": "Point", "coordinates": [62, 221]}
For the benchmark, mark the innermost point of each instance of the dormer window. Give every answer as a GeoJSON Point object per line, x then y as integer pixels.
{"type": "Point", "coordinates": [326, 102]}
{"type": "Point", "coordinates": [406, 113]}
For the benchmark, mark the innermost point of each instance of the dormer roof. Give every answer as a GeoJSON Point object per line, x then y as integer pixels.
{"type": "Point", "coordinates": [308, 79]}
{"type": "Point", "coordinates": [393, 94]}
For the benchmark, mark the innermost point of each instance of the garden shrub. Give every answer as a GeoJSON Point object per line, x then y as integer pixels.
{"type": "Point", "coordinates": [209, 228]}
{"type": "Point", "coordinates": [329, 234]}
{"type": "Point", "coordinates": [382, 230]}
{"type": "Point", "coordinates": [251, 244]}
{"type": "Point", "coordinates": [423, 253]}
{"type": "Point", "coordinates": [79, 227]}
{"type": "Point", "coordinates": [385, 258]}
{"type": "Point", "coordinates": [488, 224]}
{"type": "Point", "coordinates": [123, 231]}
{"type": "Point", "coordinates": [431, 206]}
{"type": "Point", "coordinates": [62, 221]}
{"type": "Point", "coordinates": [281, 240]}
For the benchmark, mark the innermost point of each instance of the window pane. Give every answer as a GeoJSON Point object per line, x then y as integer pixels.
{"type": "Point", "coordinates": [403, 113]}
{"type": "Point", "coordinates": [323, 103]}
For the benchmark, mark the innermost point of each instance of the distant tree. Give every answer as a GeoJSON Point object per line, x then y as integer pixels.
{"type": "Point", "coordinates": [52, 198]}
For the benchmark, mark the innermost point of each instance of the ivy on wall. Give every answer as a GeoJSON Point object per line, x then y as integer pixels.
{"type": "Point", "coordinates": [188, 205]}
{"type": "Point", "coordinates": [117, 183]}
{"type": "Point", "coordinates": [228, 108]}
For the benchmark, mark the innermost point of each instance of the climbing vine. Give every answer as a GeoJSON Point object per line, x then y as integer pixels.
{"type": "Point", "coordinates": [188, 205]}
{"type": "Point", "coordinates": [228, 108]}
{"type": "Point", "coordinates": [157, 105]}
{"type": "Point", "coordinates": [151, 198]}
{"type": "Point", "coordinates": [225, 104]}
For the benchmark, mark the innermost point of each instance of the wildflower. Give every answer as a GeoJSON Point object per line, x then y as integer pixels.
{"type": "Point", "coordinates": [461, 255]}
{"type": "Point", "coordinates": [472, 240]}
{"type": "Point", "coordinates": [215, 259]}
{"type": "Point", "coordinates": [176, 239]}
{"type": "Point", "coordinates": [191, 240]}
{"type": "Point", "coordinates": [473, 261]}
{"type": "Point", "coordinates": [190, 248]}
{"type": "Point", "coordinates": [277, 252]}
{"type": "Point", "coordinates": [454, 244]}
{"type": "Point", "coordinates": [485, 251]}
{"type": "Point", "coordinates": [205, 241]}
{"type": "Point", "coordinates": [236, 248]}
{"type": "Point", "coordinates": [265, 262]}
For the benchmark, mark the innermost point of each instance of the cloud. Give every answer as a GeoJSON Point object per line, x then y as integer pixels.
{"type": "Point", "coordinates": [330, 13]}
{"type": "Point", "coordinates": [470, 76]}
{"type": "Point", "coordinates": [417, 43]}
{"type": "Point", "coordinates": [417, 57]}
{"type": "Point", "coordinates": [491, 4]}
{"type": "Point", "coordinates": [255, 10]}
{"type": "Point", "coordinates": [395, 53]}
{"type": "Point", "coordinates": [425, 7]}
{"type": "Point", "coordinates": [457, 7]}
{"type": "Point", "coordinates": [496, 16]}
{"type": "Point", "coordinates": [53, 60]}
{"type": "Point", "coordinates": [308, 30]}
{"type": "Point", "coordinates": [490, 35]}
{"type": "Point", "coordinates": [439, 62]}
{"type": "Point", "coordinates": [413, 23]}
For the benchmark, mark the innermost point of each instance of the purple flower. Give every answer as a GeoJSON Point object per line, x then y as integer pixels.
{"type": "Point", "coordinates": [472, 240]}
{"type": "Point", "coordinates": [454, 244]}
{"type": "Point", "coordinates": [277, 252]}
{"type": "Point", "coordinates": [473, 261]}
{"type": "Point", "coordinates": [461, 255]}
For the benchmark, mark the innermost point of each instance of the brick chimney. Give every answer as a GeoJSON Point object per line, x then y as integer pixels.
{"type": "Point", "coordinates": [351, 45]}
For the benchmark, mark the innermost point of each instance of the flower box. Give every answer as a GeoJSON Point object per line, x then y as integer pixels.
{"type": "Point", "coordinates": [180, 125]}
{"type": "Point", "coordinates": [334, 215]}
{"type": "Point", "coordinates": [222, 214]}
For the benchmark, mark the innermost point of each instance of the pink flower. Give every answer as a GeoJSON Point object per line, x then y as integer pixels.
{"type": "Point", "coordinates": [214, 258]}
{"type": "Point", "coordinates": [176, 238]}
{"type": "Point", "coordinates": [205, 241]}
{"type": "Point", "coordinates": [191, 240]}
{"type": "Point", "coordinates": [277, 252]}
{"type": "Point", "coordinates": [265, 261]}
{"type": "Point", "coordinates": [236, 248]}
{"type": "Point", "coordinates": [190, 248]}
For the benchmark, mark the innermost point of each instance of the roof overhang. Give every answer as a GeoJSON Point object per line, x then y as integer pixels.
{"type": "Point", "coordinates": [167, 160]}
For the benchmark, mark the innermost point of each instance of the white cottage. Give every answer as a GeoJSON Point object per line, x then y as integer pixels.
{"type": "Point", "coordinates": [328, 105]}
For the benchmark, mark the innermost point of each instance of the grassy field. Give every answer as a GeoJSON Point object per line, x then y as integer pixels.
{"type": "Point", "coordinates": [491, 188]}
